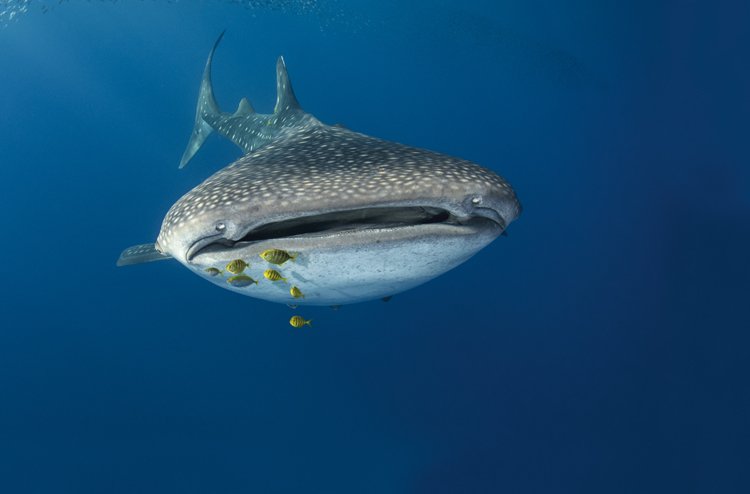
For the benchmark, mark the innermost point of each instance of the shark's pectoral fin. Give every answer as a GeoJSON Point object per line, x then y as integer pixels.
{"type": "Point", "coordinates": [139, 254]}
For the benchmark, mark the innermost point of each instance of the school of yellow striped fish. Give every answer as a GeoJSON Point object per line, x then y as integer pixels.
{"type": "Point", "coordinates": [236, 268]}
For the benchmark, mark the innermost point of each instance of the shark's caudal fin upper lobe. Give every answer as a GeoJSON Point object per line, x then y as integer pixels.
{"type": "Point", "coordinates": [207, 109]}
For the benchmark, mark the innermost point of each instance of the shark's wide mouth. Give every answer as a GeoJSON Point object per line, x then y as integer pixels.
{"type": "Point", "coordinates": [342, 222]}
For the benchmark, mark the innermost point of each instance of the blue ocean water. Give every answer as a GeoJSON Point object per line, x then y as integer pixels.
{"type": "Point", "coordinates": [602, 346]}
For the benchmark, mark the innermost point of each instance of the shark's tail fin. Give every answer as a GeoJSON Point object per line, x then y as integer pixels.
{"type": "Point", "coordinates": [246, 128]}
{"type": "Point", "coordinates": [206, 111]}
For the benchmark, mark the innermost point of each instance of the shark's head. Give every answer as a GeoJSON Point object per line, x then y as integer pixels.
{"type": "Point", "coordinates": [367, 217]}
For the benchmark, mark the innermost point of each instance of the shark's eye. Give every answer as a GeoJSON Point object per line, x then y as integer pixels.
{"type": "Point", "coordinates": [220, 226]}
{"type": "Point", "coordinates": [476, 200]}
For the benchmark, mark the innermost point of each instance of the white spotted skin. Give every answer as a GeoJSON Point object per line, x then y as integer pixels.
{"type": "Point", "coordinates": [350, 267]}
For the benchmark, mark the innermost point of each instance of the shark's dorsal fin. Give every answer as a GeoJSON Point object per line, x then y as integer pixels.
{"type": "Point", "coordinates": [244, 108]}
{"type": "Point", "coordinates": [285, 98]}
{"type": "Point", "coordinates": [141, 253]}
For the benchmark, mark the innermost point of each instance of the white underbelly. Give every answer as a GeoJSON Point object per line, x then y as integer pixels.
{"type": "Point", "coordinates": [348, 267]}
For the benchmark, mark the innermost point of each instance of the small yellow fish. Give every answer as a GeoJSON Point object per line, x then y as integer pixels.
{"type": "Point", "coordinates": [298, 321]}
{"type": "Point", "coordinates": [296, 292]}
{"type": "Point", "coordinates": [237, 266]}
{"type": "Point", "coordinates": [273, 275]}
{"type": "Point", "coordinates": [212, 271]}
{"type": "Point", "coordinates": [241, 281]}
{"type": "Point", "coordinates": [277, 256]}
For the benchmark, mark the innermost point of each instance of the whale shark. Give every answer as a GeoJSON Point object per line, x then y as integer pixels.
{"type": "Point", "coordinates": [363, 218]}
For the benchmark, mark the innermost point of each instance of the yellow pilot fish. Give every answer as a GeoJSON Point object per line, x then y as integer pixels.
{"type": "Point", "coordinates": [237, 266]}
{"type": "Point", "coordinates": [298, 321]}
{"type": "Point", "coordinates": [212, 271]}
{"type": "Point", "coordinates": [241, 281]}
{"type": "Point", "coordinates": [273, 275]}
{"type": "Point", "coordinates": [277, 256]}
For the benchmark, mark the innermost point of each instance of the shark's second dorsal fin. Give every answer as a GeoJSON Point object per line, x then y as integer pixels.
{"type": "Point", "coordinates": [244, 108]}
{"type": "Point", "coordinates": [285, 98]}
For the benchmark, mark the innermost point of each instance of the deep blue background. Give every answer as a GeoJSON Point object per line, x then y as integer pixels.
{"type": "Point", "coordinates": [602, 347]}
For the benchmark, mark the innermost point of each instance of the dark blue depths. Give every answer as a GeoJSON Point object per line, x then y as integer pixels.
{"type": "Point", "coordinates": [602, 347]}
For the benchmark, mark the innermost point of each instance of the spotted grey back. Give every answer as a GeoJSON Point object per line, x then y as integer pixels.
{"type": "Point", "coordinates": [323, 168]}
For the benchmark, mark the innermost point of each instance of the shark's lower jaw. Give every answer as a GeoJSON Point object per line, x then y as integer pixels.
{"type": "Point", "coordinates": [350, 256]}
